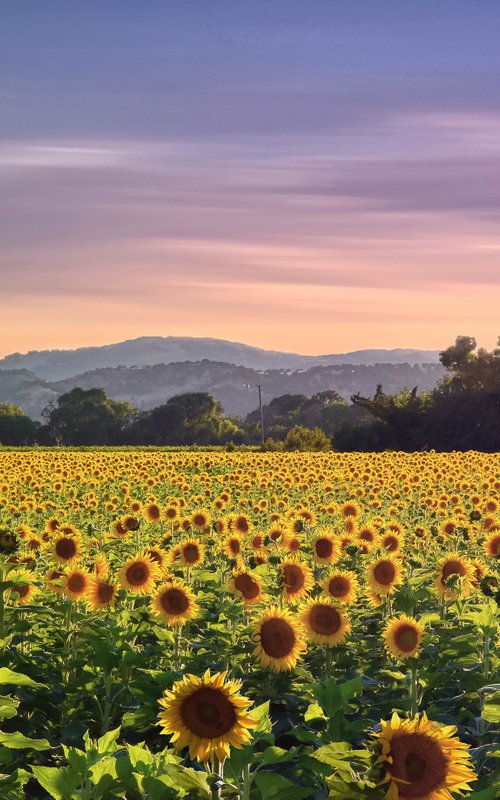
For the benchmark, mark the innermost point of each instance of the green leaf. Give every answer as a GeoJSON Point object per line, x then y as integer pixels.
{"type": "Point", "coordinates": [261, 716]}
{"type": "Point", "coordinates": [107, 744]}
{"type": "Point", "coordinates": [190, 780]}
{"type": "Point", "coordinates": [491, 710]}
{"type": "Point", "coordinates": [59, 782]}
{"type": "Point", "coordinates": [276, 755]}
{"type": "Point", "coordinates": [333, 696]}
{"type": "Point", "coordinates": [17, 741]}
{"type": "Point", "coordinates": [275, 787]}
{"type": "Point", "coordinates": [314, 711]}
{"type": "Point", "coordinates": [8, 707]}
{"type": "Point", "coordinates": [16, 678]}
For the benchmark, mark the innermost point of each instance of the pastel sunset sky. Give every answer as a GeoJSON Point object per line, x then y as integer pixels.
{"type": "Point", "coordinates": [316, 176]}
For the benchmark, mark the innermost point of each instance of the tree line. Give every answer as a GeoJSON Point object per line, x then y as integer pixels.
{"type": "Point", "coordinates": [461, 413]}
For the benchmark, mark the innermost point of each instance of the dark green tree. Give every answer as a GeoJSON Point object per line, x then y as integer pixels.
{"type": "Point", "coordinates": [16, 428]}
{"type": "Point", "coordinates": [88, 417]}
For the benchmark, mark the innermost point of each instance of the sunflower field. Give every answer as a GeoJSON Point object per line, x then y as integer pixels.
{"type": "Point", "coordinates": [249, 626]}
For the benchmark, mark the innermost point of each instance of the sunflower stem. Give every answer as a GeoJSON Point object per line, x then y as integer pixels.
{"type": "Point", "coordinates": [413, 690]}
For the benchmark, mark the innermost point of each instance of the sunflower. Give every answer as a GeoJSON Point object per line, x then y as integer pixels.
{"type": "Point", "coordinates": [241, 524]}
{"type": "Point", "coordinates": [152, 512]}
{"type": "Point", "coordinates": [25, 588]}
{"type": "Point", "coordinates": [384, 574]}
{"type": "Point", "coordinates": [342, 585]}
{"type": "Point", "coordinates": [392, 542]}
{"type": "Point", "coordinates": [231, 545]}
{"type": "Point", "coordinates": [403, 636]}
{"type": "Point", "coordinates": [66, 549]}
{"type": "Point", "coordinates": [456, 568]}
{"type": "Point", "coordinates": [296, 579]}
{"type": "Point", "coordinates": [492, 545]}
{"type": "Point", "coordinates": [76, 583]}
{"type": "Point", "coordinates": [191, 552]}
{"type": "Point", "coordinates": [326, 548]}
{"type": "Point", "coordinates": [201, 519]}
{"type": "Point", "coordinates": [53, 581]}
{"type": "Point", "coordinates": [423, 760]}
{"type": "Point", "coordinates": [158, 556]}
{"type": "Point", "coordinates": [174, 603]}
{"type": "Point", "coordinates": [324, 622]}
{"type": "Point", "coordinates": [279, 640]}
{"type": "Point", "coordinates": [206, 714]}
{"type": "Point", "coordinates": [101, 594]}
{"type": "Point", "coordinates": [246, 587]}
{"type": "Point", "coordinates": [139, 574]}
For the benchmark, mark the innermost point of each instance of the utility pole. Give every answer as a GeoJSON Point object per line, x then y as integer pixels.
{"type": "Point", "coordinates": [261, 415]}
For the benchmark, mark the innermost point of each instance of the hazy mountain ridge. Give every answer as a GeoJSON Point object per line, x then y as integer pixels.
{"type": "Point", "coordinates": [235, 386]}
{"type": "Point", "coordinates": [57, 365]}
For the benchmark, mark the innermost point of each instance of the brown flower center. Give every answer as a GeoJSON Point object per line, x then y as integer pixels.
{"type": "Point", "coordinates": [419, 763]}
{"type": "Point", "coordinates": [241, 525]}
{"type": "Point", "coordinates": [76, 583]}
{"type": "Point", "coordinates": [384, 573]}
{"type": "Point", "coordinates": [451, 568]}
{"type": "Point", "coordinates": [277, 637]}
{"type": "Point", "coordinates": [199, 520]}
{"type": "Point", "coordinates": [406, 637]}
{"type": "Point", "coordinates": [324, 548]}
{"type": "Point", "coordinates": [234, 546]}
{"type": "Point", "coordinates": [247, 585]}
{"type": "Point", "coordinates": [174, 601]}
{"type": "Point", "coordinates": [66, 548]}
{"type": "Point", "coordinates": [338, 586]}
{"type": "Point", "coordinates": [324, 619]}
{"type": "Point", "coordinates": [208, 713]}
{"type": "Point", "coordinates": [391, 543]}
{"type": "Point", "coordinates": [293, 578]}
{"type": "Point", "coordinates": [191, 553]}
{"type": "Point", "coordinates": [105, 592]}
{"type": "Point", "coordinates": [137, 574]}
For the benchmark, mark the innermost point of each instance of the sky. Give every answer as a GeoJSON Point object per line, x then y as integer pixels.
{"type": "Point", "coordinates": [316, 177]}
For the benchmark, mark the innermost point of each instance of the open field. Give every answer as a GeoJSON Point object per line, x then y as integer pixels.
{"type": "Point", "coordinates": [336, 588]}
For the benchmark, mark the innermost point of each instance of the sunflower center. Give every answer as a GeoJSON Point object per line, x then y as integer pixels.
{"type": "Point", "coordinates": [242, 525]}
{"type": "Point", "coordinates": [293, 578]}
{"type": "Point", "coordinates": [76, 583]}
{"type": "Point", "coordinates": [199, 520]}
{"type": "Point", "coordinates": [248, 587]}
{"type": "Point", "coordinates": [234, 546]}
{"type": "Point", "coordinates": [419, 763]}
{"type": "Point", "coordinates": [451, 568]}
{"type": "Point", "coordinates": [190, 553]}
{"type": "Point", "coordinates": [324, 548]}
{"type": "Point", "coordinates": [174, 601]}
{"type": "Point", "coordinates": [137, 574]}
{"type": "Point", "coordinates": [324, 619]}
{"type": "Point", "coordinates": [390, 543]}
{"type": "Point", "coordinates": [22, 591]}
{"type": "Point", "coordinates": [105, 592]}
{"type": "Point", "coordinates": [208, 713]}
{"type": "Point", "coordinates": [406, 638]}
{"type": "Point", "coordinates": [66, 548]}
{"type": "Point", "coordinates": [384, 573]}
{"type": "Point", "coordinates": [277, 638]}
{"type": "Point", "coordinates": [338, 586]}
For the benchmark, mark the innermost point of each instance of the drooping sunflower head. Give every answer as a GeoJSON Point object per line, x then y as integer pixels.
{"type": "Point", "coordinates": [206, 714]}
{"type": "Point", "coordinates": [324, 622]}
{"type": "Point", "coordinates": [139, 574]}
{"type": "Point", "coordinates": [403, 637]}
{"type": "Point", "coordinates": [279, 640]}
{"type": "Point", "coordinates": [296, 580]}
{"type": "Point", "coordinates": [246, 586]}
{"type": "Point", "coordinates": [174, 603]}
{"type": "Point", "coordinates": [325, 548]}
{"type": "Point", "coordinates": [423, 760]}
{"type": "Point", "coordinates": [342, 586]}
{"type": "Point", "coordinates": [383, 575]}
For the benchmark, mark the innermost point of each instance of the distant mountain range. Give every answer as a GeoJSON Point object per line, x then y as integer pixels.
{"type": "Point", "coordinates": [56, 365]}
{"type": "Point", "coordinates": [149, 370]}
